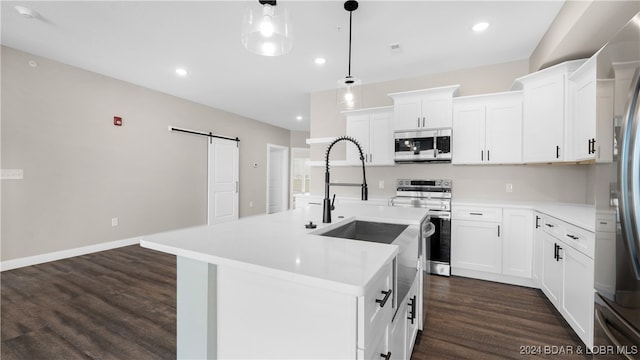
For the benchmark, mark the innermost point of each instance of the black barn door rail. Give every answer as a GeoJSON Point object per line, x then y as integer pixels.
{"type": "Point", "coordinates": [210, 135]}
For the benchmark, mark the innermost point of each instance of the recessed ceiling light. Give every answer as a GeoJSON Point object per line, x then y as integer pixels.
{"type": "Point", "coordinates": [298, 117]}
{"type": "Point", "coordinates": [26, 12]}
{"type": "Point", "coordinates": [181, 72]}
{"type": "Point", "coordinates": [481, 26]}
{"type": "Point", "coordinates": [320, 61]}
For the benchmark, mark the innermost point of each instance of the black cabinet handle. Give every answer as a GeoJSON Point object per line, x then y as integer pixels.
{"type": "Point", "coordinates": [572, 237]}
{"type": "Point", "coordinates": [383, 301]}
{"type": "Point", "coordinates": [386, 356]}
{"type": "Point", "coordinates": [488, 155]}
{"type": "Point", "coordinates": [537, 221]}
{"type": "Point", "coordinates": [557, 152]}
{"type": "Point", "coordinates": [549, 225]}
{"type": "Point", "coordinates": [555, 251]}
{"type": "Point", "coordinates": [559, 257]}
{"type": "Point", "coordinates": [412, 311]}
{"type": "Point", "coordinates": [481, 155]}
{"type": "Point", "coordinates": [498, 230]}
{"type": "Point", "coordinates": [418, 121]}
{"type": "Point", "coordinates": [475, 213]}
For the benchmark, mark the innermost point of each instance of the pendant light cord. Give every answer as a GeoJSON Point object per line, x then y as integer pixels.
{"type": "Point", "coordinates": [350, 19]}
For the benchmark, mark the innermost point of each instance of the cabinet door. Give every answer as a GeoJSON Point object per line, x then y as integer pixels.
{"type": "Point", "coordinates": [357, 128]}
{"type": "Point", "coordinates": [381, 143]}
{"type": "Point", "coordinates": [584, 119]}
{"type": "Point", "coordinates": [436, 112]}
{"type": "Point", "coordinates": [407, 113]}
{"type": "Point", "coordinates": [551, 277]}
{"type": "Point", "coordinates": [468, 133]}
{"type": "Point", "coordinates": [476, 246]}
{"type": "Point", "coordinates": [504, 131]}
{"type": "Point", "coordinates": [517, 242]}
{"type": "Point", "coordinates": [397, 335]}
{"type": "Point", "coordinates": [577, 292]}
{"type": "Point", "coordinates": [413, 315]}
{"type": "Point", "coordinates": [604, 121]}
{"type": "Point", "coordinates": [543, 120]}
{"type": "Point", "coordinates": [536, 271]}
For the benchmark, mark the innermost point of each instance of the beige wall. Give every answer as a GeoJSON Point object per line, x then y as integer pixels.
{"type": "Point", "coordinates": [80, 170]}
{"type": "Point", "coordinates": [565, 183]}
{"type": "Point", "coordinates": [299, 139]}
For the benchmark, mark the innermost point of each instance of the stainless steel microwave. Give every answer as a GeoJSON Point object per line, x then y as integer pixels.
{"type": "Point", "coordinates": [423, 145]}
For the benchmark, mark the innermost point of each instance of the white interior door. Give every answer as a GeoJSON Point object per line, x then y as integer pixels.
{"type": "Point", "coordinates": [223, 181]}
{"type": "Point", "coordinates": [277, 178]}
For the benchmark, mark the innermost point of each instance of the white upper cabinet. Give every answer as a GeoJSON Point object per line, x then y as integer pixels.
{"type": "Point", "coordinates": [487, 129]}
{"type": "Point", "coordinates": [545, 112]}
{"type": "Point", "coordinates": [424, 109]}
{"type": "Point", "coordinates": [591, 123]}
{"type": "Point", "coordinates": [373, 129]}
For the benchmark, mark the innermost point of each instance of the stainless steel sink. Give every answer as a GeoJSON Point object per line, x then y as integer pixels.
{"type": "Point", "coordinates": [367, 231]}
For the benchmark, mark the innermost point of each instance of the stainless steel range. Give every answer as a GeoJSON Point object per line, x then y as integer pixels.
{"type": "Point", "coordinates": [435, 196]}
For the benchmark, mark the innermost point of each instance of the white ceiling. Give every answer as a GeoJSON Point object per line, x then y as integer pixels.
{"type": "Point", "coordinates": [144, 42]}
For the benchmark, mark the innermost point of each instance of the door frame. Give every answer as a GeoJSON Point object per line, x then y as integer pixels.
{"type": "Point", "coordinates": [292, 150]}
{"type": "Point", "coordinates": [284, 153]}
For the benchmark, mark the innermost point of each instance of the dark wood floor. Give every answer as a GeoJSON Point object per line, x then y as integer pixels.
{"type": "Point", "coordinates": [120, 304]}
{"type": "Point", "coordinates": [475, 319]}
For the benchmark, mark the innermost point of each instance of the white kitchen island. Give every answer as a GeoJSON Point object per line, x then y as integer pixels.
{"type": "Point", "coordinates": [267, 287]}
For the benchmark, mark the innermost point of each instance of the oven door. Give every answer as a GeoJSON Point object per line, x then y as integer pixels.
{"type": "Point", "coordinates": [415, 146]}
{"type": "Point", "coordinates": [438, 252]}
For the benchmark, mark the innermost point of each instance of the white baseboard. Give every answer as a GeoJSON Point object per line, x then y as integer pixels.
{"type": "Point", "coordinates": [505, 279]}
{"type": "Point", "coordinates": [64, 254]}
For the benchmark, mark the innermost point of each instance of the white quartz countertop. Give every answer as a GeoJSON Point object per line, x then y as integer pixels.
{"type": "Point", "coordinates": [279, 245]}
{"type": "Point", "coordinates": [580, 215]}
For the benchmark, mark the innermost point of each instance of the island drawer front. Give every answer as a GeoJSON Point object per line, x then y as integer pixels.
{"type": "Point", "coordinates": [376, 317]}
{"type": "Point", "coordinates": [477, 213]}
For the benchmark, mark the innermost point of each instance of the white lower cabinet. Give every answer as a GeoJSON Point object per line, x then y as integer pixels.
{"type": "Point", "coordinates": [576, 300]}
{"type": "Point", "coordinates": [551, 279]}
{"type": "Point", "coordinates": [517, 242]}
{"type": "Point", "coordinates": [476, 245]}
{"type": "Point", "coordinates": [567, 272]}
{"type": "Point", "coordinates": [492, 243]}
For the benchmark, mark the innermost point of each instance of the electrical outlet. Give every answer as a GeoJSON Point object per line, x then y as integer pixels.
{"type": "Point", "coordinates": [381, 184]}
{"type": "Point", "coordinates": [114, 221]}
{"type": "Point", "coordinates": [509, 188]}
{"type": "Point", "coordinates": [250, 203]}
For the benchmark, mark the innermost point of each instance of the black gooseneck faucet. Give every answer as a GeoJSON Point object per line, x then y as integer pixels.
{"type": "Point", "coordinates": [327, 205]}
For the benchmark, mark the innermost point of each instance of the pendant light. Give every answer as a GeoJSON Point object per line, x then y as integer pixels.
{"type": "Point", "coordinates": [349, 94]}
{"type": "Point", "coordinates": [266, 29]}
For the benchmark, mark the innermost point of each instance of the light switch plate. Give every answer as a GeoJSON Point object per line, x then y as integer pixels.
{"type": "Point", "coordinates": [12, 174]}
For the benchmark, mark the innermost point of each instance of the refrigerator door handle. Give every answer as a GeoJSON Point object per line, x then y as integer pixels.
{"type": "Point", "coordinates": [629, 175]}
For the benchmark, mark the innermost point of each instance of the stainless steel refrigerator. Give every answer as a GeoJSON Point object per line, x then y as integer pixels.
{"type": "Point", "coordinates": [617, 200]}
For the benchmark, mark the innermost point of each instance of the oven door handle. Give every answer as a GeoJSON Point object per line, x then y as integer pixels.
{"type": "Point", "coordinates": [429, 230]}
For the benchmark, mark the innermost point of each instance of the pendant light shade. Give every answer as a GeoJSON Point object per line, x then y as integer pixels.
{"type": "Point", "coordinates": [349, 93]}
{"type": "Point", "coordinates": [266, 29]}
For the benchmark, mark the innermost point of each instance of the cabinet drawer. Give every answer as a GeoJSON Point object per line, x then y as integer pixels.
{"type": "Point", "coordinates": [377, 312]}
{"type": "Point", "coordinates": [552, 226]}
{"type": "Point", "coordinates": [580, 239]}
{"type": "Point", "coordinates": [477, 213]}
{"type": "Point", "coordinates": [606, 223]}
